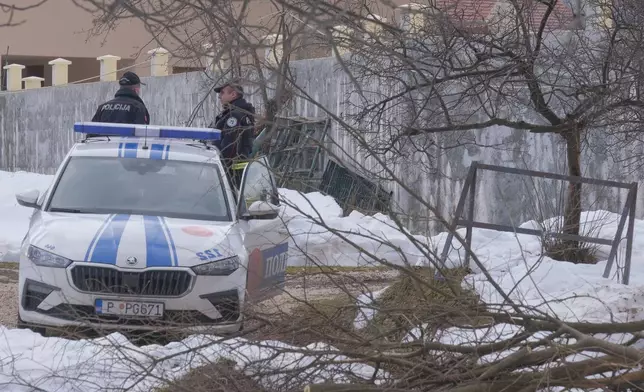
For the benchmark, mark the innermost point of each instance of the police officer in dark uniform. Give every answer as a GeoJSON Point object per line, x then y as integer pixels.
{"type": "Point", "coordinates": [127, 107]}
{"type": "Point", "coordinates": [237, 124]}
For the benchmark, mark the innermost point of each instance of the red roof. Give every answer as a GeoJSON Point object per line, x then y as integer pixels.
{"type": "Point", "coordinates": [477, 12]}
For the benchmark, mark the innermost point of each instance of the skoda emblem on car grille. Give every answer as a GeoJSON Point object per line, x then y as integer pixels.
{"type": "Point", "coordinates": [131, 260]}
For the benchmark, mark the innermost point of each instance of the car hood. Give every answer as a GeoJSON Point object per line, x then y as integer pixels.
{"type": "Point", "coordinates": [135, 241]}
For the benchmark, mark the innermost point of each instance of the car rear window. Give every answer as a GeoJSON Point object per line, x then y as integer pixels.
{"type": "Point", "coordinates": [174, 189]}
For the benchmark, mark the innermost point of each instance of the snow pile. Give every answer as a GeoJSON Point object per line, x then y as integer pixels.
{"type": "Point", "coordinates": [366, 311]}
{"type": "Point", "coordinates": [313, 204]}
{"type": "Point", "coordinates": [570, 291]}
{"type": "Point", "coordinates": [114, 363]}
{"type": "Point", "coordinates": [355, 240]}
{"type": "Point", "coordinates": [540, 285]}
{"type": "Point", "coordinates": [14, 219]}
{"type": "Point", "coordinates": [321, 235]}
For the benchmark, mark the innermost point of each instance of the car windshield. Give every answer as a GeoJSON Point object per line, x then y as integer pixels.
{"type": "Point", "coordinates": [173, 189]}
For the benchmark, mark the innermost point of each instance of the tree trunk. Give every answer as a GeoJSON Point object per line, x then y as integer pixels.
{"type": "Point", "coordinates": [572, 211]}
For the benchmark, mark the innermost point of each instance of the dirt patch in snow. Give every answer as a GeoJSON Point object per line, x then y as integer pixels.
{"type": "Point", "coordinates": [299, 287]}
{"type": "Point", "coordinates": [8, 297]}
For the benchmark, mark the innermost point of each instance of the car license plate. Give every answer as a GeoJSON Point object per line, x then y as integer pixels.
{"type": "Point", "coordinates": [129, 308]}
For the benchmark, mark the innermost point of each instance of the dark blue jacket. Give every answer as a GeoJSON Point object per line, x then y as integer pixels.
{"type": "Point", "coordinates": [237, 124]}
{"type": "Point", "coordinates": [126, 108]}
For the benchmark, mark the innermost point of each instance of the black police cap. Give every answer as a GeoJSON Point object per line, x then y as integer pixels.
{"type": "Point", "coordinates": [130, 79]}
{"type": "Point", "coordinates": [234, 84]}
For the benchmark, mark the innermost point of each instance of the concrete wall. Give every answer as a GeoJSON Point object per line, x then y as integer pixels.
{"type": "Point", "coordinates": [36, 132]}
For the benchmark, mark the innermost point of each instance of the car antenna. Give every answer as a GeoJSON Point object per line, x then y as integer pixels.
{"type": "Point", "coordinates": [145, 139]}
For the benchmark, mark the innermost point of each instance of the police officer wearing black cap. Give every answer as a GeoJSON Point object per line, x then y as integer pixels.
{"type": "Point", "coordinates": [236, 122]}
{"type": "Point", "coordinates": [127, 107]}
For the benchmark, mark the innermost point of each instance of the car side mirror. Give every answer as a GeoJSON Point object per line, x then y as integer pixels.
{"type": "Point", "coordinates": [262, 210]}
{"type": "Point", "coordinates": [29, 198]}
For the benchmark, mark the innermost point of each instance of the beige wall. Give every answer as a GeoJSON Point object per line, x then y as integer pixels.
{"type": "Point", "coordinates": [59, 28]}
{"type": "Point", "coordinates": [83, 70]}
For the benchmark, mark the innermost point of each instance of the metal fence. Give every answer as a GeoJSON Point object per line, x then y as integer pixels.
{"type": "Point", "coordinates": [297, 152]}
{"type": "Point", "coordinates": [469, 193]}
{"type": "Point", "coordinates": [354, 192]}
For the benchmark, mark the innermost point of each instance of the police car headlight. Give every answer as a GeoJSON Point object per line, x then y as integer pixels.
{"type": "Point", "coordinates": [221, 267]}
{"type": "Point", "coordinates": [44, 258]}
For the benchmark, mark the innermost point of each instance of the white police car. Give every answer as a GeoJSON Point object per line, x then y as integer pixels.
{"type": "Point", "coordinates": [141, 229]}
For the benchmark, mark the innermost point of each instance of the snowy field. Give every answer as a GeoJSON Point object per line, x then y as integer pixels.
{"type": "Point", "coordinates": [33, 363]}
{"type": "Point", "coordinates": [571, 292]}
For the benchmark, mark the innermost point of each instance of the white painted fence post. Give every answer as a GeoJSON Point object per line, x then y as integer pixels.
{"type": "Point", "coordinates": [275, 51]}
{"type": "Point", "coordinates": [108, 67]}
{"type": "Point", "coordinates": [341, 35]}
{"type": "Point", "coordinates": [14, 76]}
{"type": "Point", "coordinates": [412, 17]}
{"type": "Point", "coordinates": [32, 82]}
{"type": "Point", "coordinates": [59, 71]}
{"type": "Point", "coordinates": [159, 62]}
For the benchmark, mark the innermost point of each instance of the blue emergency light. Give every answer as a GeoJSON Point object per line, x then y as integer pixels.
{"type": "Point", "coordinates": [159, 131]}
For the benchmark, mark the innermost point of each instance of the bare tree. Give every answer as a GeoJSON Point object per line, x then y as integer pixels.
{"type": "Point", "coordinates": [450, 75]}
{"type": "Point", "coordinates": [527, 66]}
{"type": "Point", "coordinates": [222, 33]}
{"type": "Point", "coordinates": [11, 11]}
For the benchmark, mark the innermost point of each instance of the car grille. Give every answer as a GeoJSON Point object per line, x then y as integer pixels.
{"type": "Point", "coordinates": [148, 283]}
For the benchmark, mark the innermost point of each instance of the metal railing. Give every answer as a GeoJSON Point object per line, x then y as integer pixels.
{"type": "Point", "coordinates": [469, 189]}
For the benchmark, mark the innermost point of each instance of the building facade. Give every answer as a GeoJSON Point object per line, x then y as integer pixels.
{"type": "Point", "coordinates": [61, 29]}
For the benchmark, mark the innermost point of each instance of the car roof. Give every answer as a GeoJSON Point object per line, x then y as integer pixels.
{"type": "Point", "coordinates": [157, 148]}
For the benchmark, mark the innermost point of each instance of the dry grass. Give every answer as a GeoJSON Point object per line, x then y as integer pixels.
{"type": "Point", "coordinates": [418, 297]}
{"type": "Point", "coordinates": [220, 376]}
{"type": "Point", "coordinates": [422, 297]}
{"type": "Point", "coordinates": [322, 269]}
{"type": "Point", "coordinates": [9, 265]}
{"type": "Point", "coordinates": [571, 252]}
{"type": "Point", "coordinates": [316, 320]}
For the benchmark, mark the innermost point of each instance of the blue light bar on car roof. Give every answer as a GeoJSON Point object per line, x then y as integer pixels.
{"type": "Point", "coordinates": [161, 131]}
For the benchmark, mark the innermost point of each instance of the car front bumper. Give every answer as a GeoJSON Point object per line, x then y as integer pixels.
{"type": "Point", "coordinates": [57, 297]}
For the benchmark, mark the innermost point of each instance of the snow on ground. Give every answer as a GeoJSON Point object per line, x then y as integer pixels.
{"type": "Point", "coordinates": [113, 363]}
{"type": "Point", "coordinates": [571, 291]}
{"type": "Point", "coordinates": [321, 235]}
{"type": "Point", "coordinates": [14, 219]}
{"type": "Point", "coordinates": [29, 362]}
{"type": "Point", "coordinates": [515, 262]}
